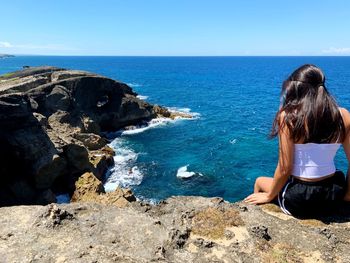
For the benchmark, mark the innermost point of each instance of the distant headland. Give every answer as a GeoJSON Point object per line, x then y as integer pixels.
{"type": "Point", "coordinates": [6, 56]}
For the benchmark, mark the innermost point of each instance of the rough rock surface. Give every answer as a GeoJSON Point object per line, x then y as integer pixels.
{"type": "Point", "coordinates": [179, 229]}
{"type": "Point", "coordinates": [51, 124]}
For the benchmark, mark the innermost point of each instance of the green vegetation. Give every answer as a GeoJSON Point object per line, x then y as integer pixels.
{"type": "Point", "coordinates": [6, 75]}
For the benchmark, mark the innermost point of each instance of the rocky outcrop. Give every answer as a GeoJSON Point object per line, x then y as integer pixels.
{"type": "Point", "coordinates": [51, 125]}
{"type": "Point", "coordinates": [6, 56]}
{"type": "Point", "coordinates": [179, 229]}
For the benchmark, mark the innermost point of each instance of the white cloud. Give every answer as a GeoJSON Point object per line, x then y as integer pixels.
{"type": "Point", "coordinates": [40, 49]}
{"type": "Point", "coordinates": [5, 44]}
{"type": "Point", "coordinates": [339, 51]}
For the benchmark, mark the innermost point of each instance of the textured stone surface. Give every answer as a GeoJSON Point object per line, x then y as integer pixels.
{"type": "Point", "coordinates": [179, 229]}
{"type": "Point", "coordinates": [51, 121]}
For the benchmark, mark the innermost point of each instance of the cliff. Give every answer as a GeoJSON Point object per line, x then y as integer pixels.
{"type": "Point", "coordinates": [179, 229]}
{"type": "Point", "coordinates": [51, 126]}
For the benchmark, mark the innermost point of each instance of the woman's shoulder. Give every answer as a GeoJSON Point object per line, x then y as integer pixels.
{"type": "Point", "coordinates": [343, 110]}
{"type": "Point", "coordinates": [345, 114]}
{"type": "Point", "coordinates": [346, 118]}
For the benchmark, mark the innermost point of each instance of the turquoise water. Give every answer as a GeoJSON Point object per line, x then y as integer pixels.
{"type": "Point", "coordinates": [226, 144]}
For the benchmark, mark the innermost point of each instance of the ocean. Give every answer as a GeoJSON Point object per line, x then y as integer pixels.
{"type": "Point", "coordinates": [225, 146]}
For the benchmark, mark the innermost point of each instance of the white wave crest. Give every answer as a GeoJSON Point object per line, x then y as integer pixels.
{"type": "Point", "coordinates": [158, 122]}
{"type": "Point", "coordinates": [142, 97]}
{"type": "Point", "coordinates": [183, 173]}
{"type": "Point", "coordinates": [149, 125]}
{"type": "Point", "coordinates": [124, 173]}
{"type": "Point", "coordinates": [151, 201]}
{"type": "Point", "coordinates": [233, 141]}
{"type": "Point", "coordinates": [133, 85]}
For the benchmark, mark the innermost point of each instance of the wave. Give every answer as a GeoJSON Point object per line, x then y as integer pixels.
{"type": "Point", "coordinates": [133, 85]}
{"type": "Point", "coordinates": [184, 174]}
{"type": "Point", "coordinates": [152, 201]}
{"type": "Point", "coordinates": [233, 141]}
{"type": "Point", "coordinates": [125, 172]}
{"type": "Point", "coordinates": [157, 122]}
{"type": "Point", "coordinates": [142, 97]}
{"type": "Point", "coordinates": [149, 125]}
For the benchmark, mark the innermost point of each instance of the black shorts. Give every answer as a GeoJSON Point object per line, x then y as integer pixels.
{"type": "Point", "coordinates": [305, 199]}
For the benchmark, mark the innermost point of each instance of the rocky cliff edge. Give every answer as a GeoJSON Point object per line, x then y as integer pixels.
{"type": "Point", "coordinates": [52, 122]}
{"type": "Point", "coordinates": [179, 229]}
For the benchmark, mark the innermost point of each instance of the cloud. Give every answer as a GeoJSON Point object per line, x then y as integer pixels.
{"type": "Point", "coordinates": [339, 51]}
{"type": "Point", "coordinates": [5, 44]}
{"type": "Point", "coordinates": [28, 48]}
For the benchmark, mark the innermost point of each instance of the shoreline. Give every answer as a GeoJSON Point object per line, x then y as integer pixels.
{"type": "Point", "coordinates": [125, 172]}
{"type": "Point", "coordinates": [64, 111]}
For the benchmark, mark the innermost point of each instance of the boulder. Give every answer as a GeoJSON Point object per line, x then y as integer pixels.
{"type": "Point", "coordinates": [90, 189]}
{"type": "Point", "coordinates": [87, 189]}
{"type": "Point", "coordinates": [90, 140]}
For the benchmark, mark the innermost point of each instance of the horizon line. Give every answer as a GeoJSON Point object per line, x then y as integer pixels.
{"type": "Point", "coordinates": [94, 55]}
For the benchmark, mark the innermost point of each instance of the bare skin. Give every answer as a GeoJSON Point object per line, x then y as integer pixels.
{"type": "Point", "coordinates": [267, 188]}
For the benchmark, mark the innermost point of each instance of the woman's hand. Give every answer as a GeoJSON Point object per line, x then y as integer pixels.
{"type": "Point", "coordinates": [258, 198]}
{"type": "Point", "coordinates": [347, 198]}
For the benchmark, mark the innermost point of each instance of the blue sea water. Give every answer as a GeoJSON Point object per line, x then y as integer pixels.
{"type": "Point", "coordinates": [227, 144]}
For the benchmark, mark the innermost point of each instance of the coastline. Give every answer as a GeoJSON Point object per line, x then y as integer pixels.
{"type": "Point", "coordinates": [41, 118]}
{"type": "Point", "coordinates": [6, 56]}
{"type": "Point", "coordinates": [57, 118]}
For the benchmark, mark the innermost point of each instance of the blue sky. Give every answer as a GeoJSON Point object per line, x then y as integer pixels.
{"type": "Point", "coordinates": [175, 27]}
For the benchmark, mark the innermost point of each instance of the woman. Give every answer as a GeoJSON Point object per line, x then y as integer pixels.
{"type": "Point", "coordinates": [310, 128]}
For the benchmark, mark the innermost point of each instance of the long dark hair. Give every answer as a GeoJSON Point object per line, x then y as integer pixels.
{"type": "Point", "coordinates": [309, 111]}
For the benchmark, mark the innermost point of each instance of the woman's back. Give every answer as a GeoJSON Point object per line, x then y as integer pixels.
{"type": "Point", "coordinates": [310, 127]}
{"type": "Point", "coordinates": [313, 160]}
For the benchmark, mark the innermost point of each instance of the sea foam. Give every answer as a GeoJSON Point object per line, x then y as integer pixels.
{"type": "Point", "coordinates": [142, 97]}
{"type": "Point", "coordinates": [159, 122]}
{"type": "Point", "coordinates": [125, 172]}
{"type": "Point", "coordinates": [133, 85]}
{"type": "Point", "coordinates": [184, 174]}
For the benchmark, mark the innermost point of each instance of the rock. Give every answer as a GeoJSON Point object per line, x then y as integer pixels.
{"type": "Point", "coordinates": [161, 112]}
{"type": "Point", "coordinates": [50, 119]}
{"type": "Point", "coordinates": [87, 188]}
{"type": "Point", "coordinates": [90, 126]}
{"type": "Point", "coordinates": [58, 99]}
{"type": "Point", "coordinates": [164, 112]}
{"type": "Point", "coordinates": [77, 156]}
{"type": "Point", "coordinates": [108, 233]}
{"type": "Point", "coordinates": [90, 189]}
{"type": "Point", "coordinates": [46, 197]}
{"type": "Point", "coordinates": [91, 141]}
{"type": "Point", "coordinates": [101, 162]}
{"type": "Point", "coordinates": [41, 119]}
{"type": "Point", "coordinates": [52, 216]}
{"type": "Point", "coordinates": [261, 232]}
{"type": "Point", "coordinates": [47, 174]}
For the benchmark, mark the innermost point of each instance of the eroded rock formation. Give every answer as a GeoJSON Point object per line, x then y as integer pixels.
{"type": "Point", "coordinates": [179, 229]}
{"type": "Point", "coordinates": [51, 121]}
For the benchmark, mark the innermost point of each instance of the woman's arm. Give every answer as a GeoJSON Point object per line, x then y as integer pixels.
{"type": "Point", "coordinates": [282, 172]}
{"type": "Point", "coordinates": [346, 146]}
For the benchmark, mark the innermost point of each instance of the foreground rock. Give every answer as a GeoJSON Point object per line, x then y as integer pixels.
{"type": "Point", "coordinates": [179, 229]}
{"type": "Point", "coordinates": [51, 124]}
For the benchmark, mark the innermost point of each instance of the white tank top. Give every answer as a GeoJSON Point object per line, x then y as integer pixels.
{"type": "Point", "coordinates": [313, 160]}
